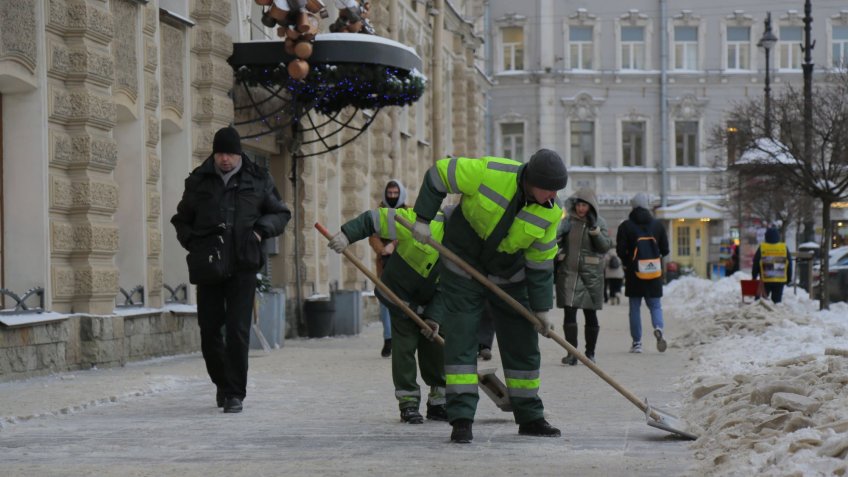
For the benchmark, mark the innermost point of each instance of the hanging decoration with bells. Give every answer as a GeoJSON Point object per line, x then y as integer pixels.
{"type": "Point", "coordinates": [298, 21]}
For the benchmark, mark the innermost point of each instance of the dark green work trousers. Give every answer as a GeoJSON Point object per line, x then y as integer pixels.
{"type": "Point", "coordinates": [461, 300]}
{"type": "Point", "coordinates": [406, 341]}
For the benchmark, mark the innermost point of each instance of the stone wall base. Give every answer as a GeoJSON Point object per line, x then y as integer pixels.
{"type": "Point", "coordinates": [83, 342]}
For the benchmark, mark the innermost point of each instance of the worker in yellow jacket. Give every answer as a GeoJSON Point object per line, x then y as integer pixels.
{"type": "Point", "coordinates": [505, 226]}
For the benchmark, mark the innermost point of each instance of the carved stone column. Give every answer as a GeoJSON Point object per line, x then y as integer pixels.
{"type": "Point", "coordinates": [152, 137]}
{"type": "Point", "coordinates": [212, 80]}
{"type": "Point", "coordinates": [83, 154]}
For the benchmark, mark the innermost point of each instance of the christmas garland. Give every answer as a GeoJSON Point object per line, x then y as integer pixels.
{"type": "Point", "coordinates": [333, 87]}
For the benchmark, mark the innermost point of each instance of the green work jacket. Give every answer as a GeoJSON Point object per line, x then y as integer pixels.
{"type": "Point", "coordinates": [412, 272]}
{"type": "Point", "coordinates": [496, 228]}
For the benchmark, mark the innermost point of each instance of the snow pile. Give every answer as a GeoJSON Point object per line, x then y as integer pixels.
{"type": "Point", "coordinates": [767, 390]}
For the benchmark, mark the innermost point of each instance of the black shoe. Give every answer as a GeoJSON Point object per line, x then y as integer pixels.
{"type": "Point", "coordinates": [220, 398]}
{"type": "Point", "coordinates": [570, 360]}
{"type": "Point", "coordinates": [661, 343]}
{"type": "Point", "coordinates": [410, 415]}
{"type": "Point", "coordinates": [461, 433]}
{"type": "Point", "coordinates": [387, 348]}
{"type": "Point", "coordinates": [539, 428]}
{"type": "Point", "coordinates": [437, 412]}
{"type": "Point", "coordinates": [591, 357]}
{"type": "Point", "coordinates": [232, 405]}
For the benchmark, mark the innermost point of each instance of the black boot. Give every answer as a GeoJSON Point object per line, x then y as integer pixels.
{"type": "Point", "coordinates": [591, 334]}
{"type": "Point", "coordinates": [539, 428]}
{"type": "Point", "coordinates": [437, 412]}
{"type": "Point", "coordinates": [232, 405]}
{"type": "Point", "coordinates": [461, 431]}
{"type": "Point", "coordinates": [387, 348]}
{"type": "Point", "coordinates": [570, 336]}
{"type": "Point", "coordinates": [410, 415]}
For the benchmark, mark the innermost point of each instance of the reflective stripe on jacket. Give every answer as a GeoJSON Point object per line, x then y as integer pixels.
{"type": "Point", "coordinates": [487, 185]}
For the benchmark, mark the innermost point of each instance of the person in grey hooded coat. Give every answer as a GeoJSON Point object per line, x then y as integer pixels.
{"type": "Point", "coordinates": [579, 277]}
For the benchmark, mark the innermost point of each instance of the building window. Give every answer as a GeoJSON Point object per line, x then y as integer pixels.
{"type": "Point", "coordinates": [685, 48]}
{"type": "Point", "coordinates": [512, 141]}
{"type": "Point", "coordinates": [840, 47]}
{"type": "Point", "coordinates": [790, 54]}
{"type": "Point", "coordinates": [738, 48]}
{"type": "Point", "coordinates": [512, 48]}
{"type": "Point", "coordinates": [580, 47]}
{"type": "Point", "coordinates": [686, 143]}
{"type": "Point", "coordinates": [633, 143]}
{"type": "Point", "coordinates": [684, 240]}
{"type": "Point", "coordinates": [733, 143]}
{"type": "Point", "coordinates": [633, 48]}
{"type": "Point", "coordinates": [582, 143]}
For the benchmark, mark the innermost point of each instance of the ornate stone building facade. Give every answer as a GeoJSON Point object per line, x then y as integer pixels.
{"type": "Point", "coordinates": [106, 107]}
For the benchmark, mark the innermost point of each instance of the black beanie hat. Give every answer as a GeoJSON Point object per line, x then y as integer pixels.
{"type": "Point", "coordinates": [546, 171]}
{"type": "Point", "coordinates": [227, 140]}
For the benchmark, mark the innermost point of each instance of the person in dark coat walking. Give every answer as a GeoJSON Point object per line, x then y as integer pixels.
{"type": "Point", "coordinates": [641, 223]}
{"type": "Point", "coordinates": [579, 275]}
{"type": "Point", "coordinates": [228, 207]}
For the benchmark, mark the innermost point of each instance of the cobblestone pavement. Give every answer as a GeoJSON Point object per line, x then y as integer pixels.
{"type": "Point", "coordinates": [326, 407]}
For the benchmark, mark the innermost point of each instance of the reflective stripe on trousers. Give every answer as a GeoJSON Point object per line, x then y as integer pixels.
{"type": "Point", "coordinates": [522, 383]}
{"type": "Point", "coordinates": [461, 379]}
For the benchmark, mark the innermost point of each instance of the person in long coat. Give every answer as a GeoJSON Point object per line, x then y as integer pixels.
{"type": "Point", "coordinates": [583, 242]}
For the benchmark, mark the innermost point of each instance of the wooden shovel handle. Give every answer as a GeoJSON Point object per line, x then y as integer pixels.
{"type": "Point", "coordinates": [383, 288]}
{"type": "Point", "coordinates": [518, 307]}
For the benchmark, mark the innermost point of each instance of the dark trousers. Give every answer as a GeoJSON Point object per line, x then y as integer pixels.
{"type": "Point", "coordinates": [774, 291]}
{"type": "Point", "coordinates": [224, 313]}
{"type": "Point", "coordinates": [486, 331]}
{"type": "Point", "coordinates": [591, 330]}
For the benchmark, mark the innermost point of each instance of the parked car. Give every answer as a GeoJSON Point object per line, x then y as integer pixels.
{"type": "Point", "coordinates": [837, 276]}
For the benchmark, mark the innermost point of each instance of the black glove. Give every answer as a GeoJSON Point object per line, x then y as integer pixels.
{"type": "Point", "coordinates": [591, 219]}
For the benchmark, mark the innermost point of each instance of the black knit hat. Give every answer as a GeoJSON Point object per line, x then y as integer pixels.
{"type": "Point", "coordinates": [227, 140]}
{"type": "Point", "coordinates": [546, 171]}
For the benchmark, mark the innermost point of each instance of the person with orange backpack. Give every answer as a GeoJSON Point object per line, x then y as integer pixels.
{"type": "Point", "coordinates": [641, 243]}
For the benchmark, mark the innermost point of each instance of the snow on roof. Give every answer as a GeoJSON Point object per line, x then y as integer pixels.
{"type": "Point", "coordinates": [766, 151]}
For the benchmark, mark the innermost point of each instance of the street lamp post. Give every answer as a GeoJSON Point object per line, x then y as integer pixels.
{"type": "Point", "coordinates": [767, 42]}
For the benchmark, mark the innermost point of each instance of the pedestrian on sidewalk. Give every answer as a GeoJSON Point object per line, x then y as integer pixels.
{"type": "Point", "coordinates": [505, 227]}
{"type": "Point", "coordinates": [641, 244]}
{"type": "Point", "coordinates": [613, 276]}
{"type": "Point", "coordinates": [412, 275]}
{"type": "Point", "coordinates": [228, 207]}
{"type": "Point", "coordinates": [773, 263]}
{"type": "Point", "coordinates": [579, 275]}
{"type": "Point", "coordinates": [394, 197]}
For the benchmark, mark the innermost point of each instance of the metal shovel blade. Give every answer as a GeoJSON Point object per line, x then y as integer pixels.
{"type": "Point", "coordinates": [488, 381]}
{"type": "Point", "coordinates": [667, 422]}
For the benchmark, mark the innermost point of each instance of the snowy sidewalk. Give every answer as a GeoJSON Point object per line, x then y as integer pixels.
{"type": "Point", "coordinates": [326, 407]}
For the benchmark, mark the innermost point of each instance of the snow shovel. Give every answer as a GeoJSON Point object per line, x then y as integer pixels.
{"type": "Point", "coordinates": [491, 385]}
{"type": "Point", "coordinates": [655, 417]}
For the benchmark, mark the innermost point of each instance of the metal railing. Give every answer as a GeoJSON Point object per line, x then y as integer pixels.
{"type": "Point", "coordinates": [21, 301]}
{"type": "Point", "coordinates": [130, 296]}
{"type": "Point", "coordinates": [176, 295]}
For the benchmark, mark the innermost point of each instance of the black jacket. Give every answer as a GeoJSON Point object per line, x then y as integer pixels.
{"type": "Point", "coordinates": [626, 243]}
{"type": "Point", "coordinates": [250, 202]}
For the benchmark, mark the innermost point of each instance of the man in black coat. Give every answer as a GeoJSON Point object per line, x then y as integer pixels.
{"type": "Point", "coordinates": [640, 222]}
{"type": "Point", "coordinates": [228, 207]}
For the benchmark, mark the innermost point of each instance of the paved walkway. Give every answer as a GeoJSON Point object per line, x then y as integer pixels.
{"type": "Point", "coordinates": [326, 407]}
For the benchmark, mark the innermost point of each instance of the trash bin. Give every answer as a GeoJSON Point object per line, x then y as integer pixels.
{"type": "Point", "coordinates": [348, 316]}
{"type": "Point", "coordinates": [806, 257]}
{"type": "Point", "coordinates": [272, 319]}
{"type": "Point", "coordinates": [319, 311]}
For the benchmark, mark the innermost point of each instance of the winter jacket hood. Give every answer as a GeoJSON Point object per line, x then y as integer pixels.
{"type": "Point", "coordinates": [585, 195]}
{"type": "Point", "coordinates": [401, 200]}
{"type": "Point", "coordinates": [640, 216]}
